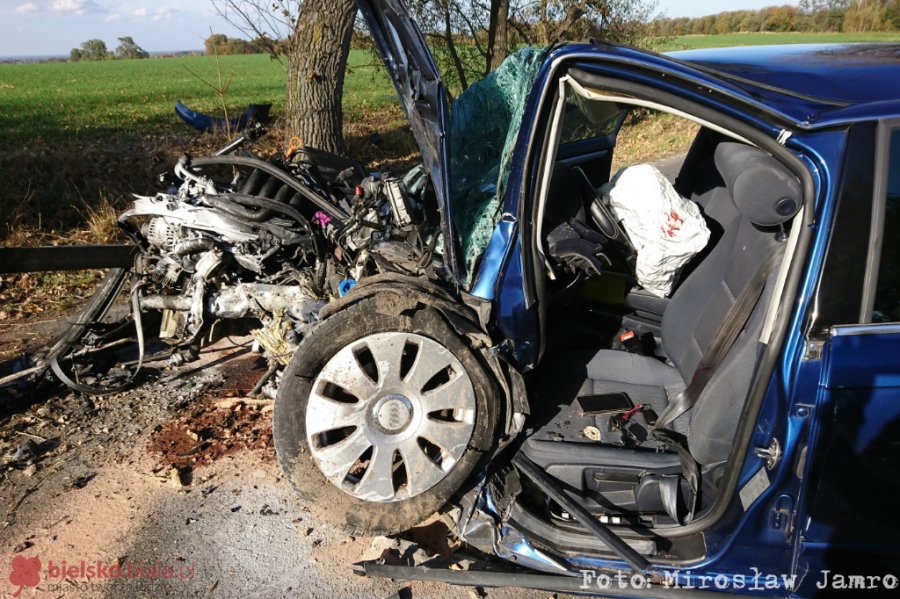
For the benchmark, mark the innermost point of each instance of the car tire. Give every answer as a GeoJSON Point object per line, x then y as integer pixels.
{"type": "Point", "coordinates": [362, 501]}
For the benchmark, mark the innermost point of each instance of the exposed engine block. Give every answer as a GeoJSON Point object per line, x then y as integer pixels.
{"type": "Point", "coordinates": [246, 248]}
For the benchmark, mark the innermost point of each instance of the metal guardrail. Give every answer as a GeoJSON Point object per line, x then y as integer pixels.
{"type": "Point", "coordinates": [64, 257]}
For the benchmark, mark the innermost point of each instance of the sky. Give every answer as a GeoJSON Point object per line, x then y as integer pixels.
{"type": "Point", "coordinates": [53, 27]}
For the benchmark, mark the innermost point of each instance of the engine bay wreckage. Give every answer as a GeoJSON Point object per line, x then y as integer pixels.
{"type": "Point", "coordinates": [579, 369]}
{"type": "Point", "coordinates": [238, 238]}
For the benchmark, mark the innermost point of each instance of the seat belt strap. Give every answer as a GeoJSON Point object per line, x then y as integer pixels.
{"type": "Point", "coordinates": [669, 490]}
{"type": "Point", "coordinates": [669, 486]}
{"type": "Point", "coordinates": [728, 332]}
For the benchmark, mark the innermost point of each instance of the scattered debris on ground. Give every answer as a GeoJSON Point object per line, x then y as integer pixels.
{"type": "Point", "coordinates": [121, 479]}
{"type": "Point", "coordinates": [221, 423]}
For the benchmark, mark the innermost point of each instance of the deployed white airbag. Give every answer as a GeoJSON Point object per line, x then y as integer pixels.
{"type": "Point", "coordinates": [665, 229]}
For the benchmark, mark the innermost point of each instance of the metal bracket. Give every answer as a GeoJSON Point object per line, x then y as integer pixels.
{"type": "Point", "coordinates": [771, 454]}
{"type": "Point", "coordinates": [505, 347]}
{"type": "Point", "coordinates": [813, 350]}
{"type": "Point", "coordinates": [784, 136]}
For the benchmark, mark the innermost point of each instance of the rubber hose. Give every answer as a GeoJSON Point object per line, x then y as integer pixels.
{"type": "Point", "coordinates": [225, 203]}
{"type": "Point", "coordinates": [253, 182]}
{"type": "Point", "coordinates": [283, 194]}
{"type": "Point", "coordinates": [268, 188]}
{"type": "Point", "coordinates": [289, 211]}
{"type": "Point", "coordinates": [324, 204]}
{"type": "Point", "coordinates": [272, 205]}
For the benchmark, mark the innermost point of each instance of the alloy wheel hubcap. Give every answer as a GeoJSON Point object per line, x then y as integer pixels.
{"type": "Point", "coordinates": [389, 416]}
{"type": "Point", "coordinates": [393, 413]}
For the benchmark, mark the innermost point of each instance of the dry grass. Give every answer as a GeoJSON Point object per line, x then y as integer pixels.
{"type": "Point", "coordinates": [54, 189]}
{"type": "Point", "coordinates": [101, 224]}
{"type": "Point", "coordinates": [40, 295]}
{"type": "Point", "coordinates": [397, 149]}
{"type": "Point", "coordinates": [650, 135]}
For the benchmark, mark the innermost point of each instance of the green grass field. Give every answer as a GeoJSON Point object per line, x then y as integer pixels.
{"type": "Point", "coordinates": [692, 42]}
{"type": "Point", "coordinates": [91, 100]}
{"type": "Point", "coordinates": [87, 100]}
{"type": "Point", "coordinates": [79, 138]}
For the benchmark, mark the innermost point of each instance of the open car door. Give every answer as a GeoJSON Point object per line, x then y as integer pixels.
{"type": "Point", "coordinates": [848, 522]}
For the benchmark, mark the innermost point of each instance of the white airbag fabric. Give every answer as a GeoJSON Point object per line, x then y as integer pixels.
{"type": "Point", "coordinates": [665, 229]}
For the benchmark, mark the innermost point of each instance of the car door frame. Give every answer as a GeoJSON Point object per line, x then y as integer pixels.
{"type": "Point", "coordinates": [686, 94]}
{"type": "Point", "coordinates": [840, 329]}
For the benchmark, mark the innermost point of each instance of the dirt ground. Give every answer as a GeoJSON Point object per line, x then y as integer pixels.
{"type": "Point", "coordinates": [177, 474]}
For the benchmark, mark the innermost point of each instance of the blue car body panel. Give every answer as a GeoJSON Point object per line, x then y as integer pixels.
{"type": "Point", "coordinates": [832, 399]}
{"type": "Point", "coordinates": [771, 537]}
{"type": "Point", "coordinates": [822, 74]}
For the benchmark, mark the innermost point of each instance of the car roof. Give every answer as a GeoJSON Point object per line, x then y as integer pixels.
{"type": "Point", "coordinates": [841, 74]}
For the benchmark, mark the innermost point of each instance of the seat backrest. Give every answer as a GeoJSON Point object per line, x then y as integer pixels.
{"type": "Point", "coordinates": [714, 200]}
{"type": "Point", "coordinates": [763, 195]}
{"type": "Point", "coordinates": [695, 176]}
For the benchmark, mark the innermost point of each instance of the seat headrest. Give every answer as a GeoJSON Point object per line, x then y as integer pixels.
{"type": "Point", "coordinates": [763, 189]}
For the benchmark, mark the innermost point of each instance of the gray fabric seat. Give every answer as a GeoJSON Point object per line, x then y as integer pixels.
{"type": "Point", "coordinates": [577, 374]}
{"type": "Point", "coordinates": [644, 379]}
{"type": "Point", "coordinates": [759, 194]}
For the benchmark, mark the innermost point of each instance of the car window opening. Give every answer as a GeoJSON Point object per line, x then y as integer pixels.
{"type": "Point", "coordinates": [608, 337]}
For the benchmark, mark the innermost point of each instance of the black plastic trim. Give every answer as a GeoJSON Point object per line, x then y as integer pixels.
{"type": "Point", "coordinates": [839, 294]}
{"type": "Point", "coordinates": [882, 165]}
{"type": "Point", "coordinates": [64, 257]}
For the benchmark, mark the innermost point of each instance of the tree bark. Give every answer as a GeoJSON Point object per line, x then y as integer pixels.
{"type": "Point", "coordinates": [317, 60]}
{"type": "Point", "coordinates": [498, 34]}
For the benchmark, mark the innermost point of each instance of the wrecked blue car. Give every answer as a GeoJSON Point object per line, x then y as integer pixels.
{"type": "Point", "coordinates": [583, 395]}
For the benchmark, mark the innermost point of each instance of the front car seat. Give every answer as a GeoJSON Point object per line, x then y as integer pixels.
{"type": "Point", "coordinates": [764, 195]}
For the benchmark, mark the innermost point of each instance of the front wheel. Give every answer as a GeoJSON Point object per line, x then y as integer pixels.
{"type": "Point", "coordinates": [379, 418]}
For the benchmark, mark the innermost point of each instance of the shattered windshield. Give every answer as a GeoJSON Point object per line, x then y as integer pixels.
{"type": "Point", "coordinates": [484, 125]}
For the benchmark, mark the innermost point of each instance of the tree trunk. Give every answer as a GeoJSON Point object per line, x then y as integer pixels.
{"type": "Point", "coordinates": [317, 60]}
{"type": "Point", "coordinates": [451, 47]}
{"type": "Point", "coordinates": [498, 34]}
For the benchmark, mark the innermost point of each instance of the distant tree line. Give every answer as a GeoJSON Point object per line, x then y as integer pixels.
{"type": "Point", "coordinates": [95, 49]}
{"type": "Point", "coordinates": [221, 44]}
{"type": "Point", "coordinates": [808, 15]}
